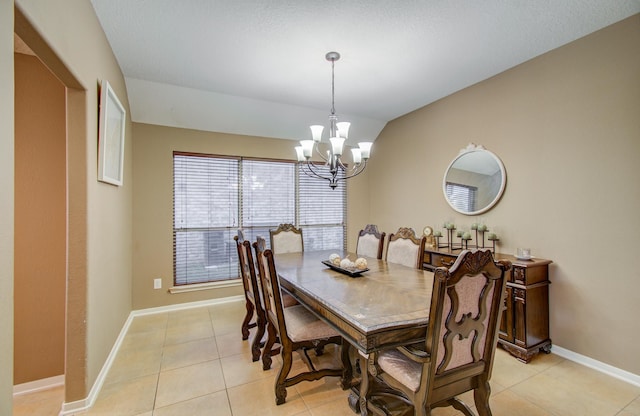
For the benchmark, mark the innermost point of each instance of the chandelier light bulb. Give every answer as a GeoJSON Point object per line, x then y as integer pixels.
{"type": "Point", "coordinates": [357, 156]}
{"type": "Point", "coordinates": [307, 148]}
{"type": "Point", "coordinates": [316, 132]}
{"type": "Point", "coordinates": [365, 149]}
{"type": "Point", "coordinates": [343, 129]}
{"type": "Point", "coordinates": [337, 143]}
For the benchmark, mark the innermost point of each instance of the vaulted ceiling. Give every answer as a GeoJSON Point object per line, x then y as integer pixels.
{"type": "Point", "coordinates": [258, 67]}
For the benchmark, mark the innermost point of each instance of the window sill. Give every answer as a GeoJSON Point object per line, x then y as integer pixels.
{"type": "Point", "coordinates": [204, 286]}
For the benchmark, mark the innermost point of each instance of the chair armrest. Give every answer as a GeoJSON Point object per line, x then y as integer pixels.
{"type": "Point", "coordinates": [415, 354]}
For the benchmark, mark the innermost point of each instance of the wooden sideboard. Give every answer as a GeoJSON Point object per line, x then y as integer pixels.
{"type": "Point", "coordinates": [524, 328]}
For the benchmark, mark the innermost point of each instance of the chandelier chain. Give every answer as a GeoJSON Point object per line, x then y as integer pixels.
{"type": "Point", "coordinates": [333, 88]}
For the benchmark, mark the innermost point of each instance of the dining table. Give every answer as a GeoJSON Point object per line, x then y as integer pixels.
{"type": "Point", "coordinates": [383, 306]}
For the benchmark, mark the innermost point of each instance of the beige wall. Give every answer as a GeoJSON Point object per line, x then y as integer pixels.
{"type": "Point", "coordinates": [6, 206]}
{"type": "Point", "coordinates": [566, 127]}
{"type": "Point", "coordinates": [153, 205]}
{"type": "Point", "coordinates": [40, 222]}
{"type": "Point", "coordinates": [68, 38]}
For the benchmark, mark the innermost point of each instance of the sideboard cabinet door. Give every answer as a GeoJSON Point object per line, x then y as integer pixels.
{"type": "Point", "coordinates": [506, 323]}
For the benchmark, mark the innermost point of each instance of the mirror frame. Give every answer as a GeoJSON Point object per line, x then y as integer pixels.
{"type": "Point", "coordinates": [470, 149]}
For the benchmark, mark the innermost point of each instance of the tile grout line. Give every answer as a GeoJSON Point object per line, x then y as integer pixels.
{"type": "Point", "coordinates": [155, 395]}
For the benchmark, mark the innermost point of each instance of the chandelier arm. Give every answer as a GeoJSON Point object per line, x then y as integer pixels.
{"type": "Point", "coordinates": [309, 171]}
{"type": "Point", "coordinates": [316, 147]}
{"type": "Point", "coordinates": [344, 167]}
{"type": "Point", "coordinates": [302, 168]}
{"type": "Point", "coordinates": [314, 173]}
{"type": "Point", "coordinates": [309, 174]}
{"type": "Point", "coordinates": [347, 169]}
{"type": "Point", "coordinates": [359, 169]}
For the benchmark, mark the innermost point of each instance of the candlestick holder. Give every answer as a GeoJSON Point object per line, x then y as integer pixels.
{"type": "Point", "coordinates": [494, 240]}
{"type": "Point", "coordinates": [453, 245]}
{"type": "Point", "coordinates": [480, 237]}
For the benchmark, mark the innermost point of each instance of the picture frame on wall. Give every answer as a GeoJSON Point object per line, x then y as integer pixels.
{"type": "Point", "coordinates": [111, 136]}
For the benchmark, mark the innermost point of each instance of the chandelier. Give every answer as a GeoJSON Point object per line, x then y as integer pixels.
{"type": "Point", "coordinates": [338, 133]}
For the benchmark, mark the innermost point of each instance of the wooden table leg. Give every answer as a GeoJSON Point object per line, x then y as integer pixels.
{"type": "Point", "coordinates": [364, 383]}
{"type": "Point", "coordinates": [347, 380]}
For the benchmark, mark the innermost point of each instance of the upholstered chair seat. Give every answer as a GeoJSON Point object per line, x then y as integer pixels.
{"type": "Point", "coordinates": [396, 365]}
{"type": "Point", "coordinates": [302, 325]}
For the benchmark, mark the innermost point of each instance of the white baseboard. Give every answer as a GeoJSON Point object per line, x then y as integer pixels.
{"type": "Point", "coordinates": [71, 408]}
{"type": "Point", "coordinates": [38, 385]}
{"type": "Point", "coordinates": [188, 305]}
{"type": "Point", "coordinates": [597, 365]}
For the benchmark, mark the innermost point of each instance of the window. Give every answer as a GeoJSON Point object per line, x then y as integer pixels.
{"type": "Point", "coordinates": [216, 195]}
{"type": "Point", "coordinates": [463, 197]}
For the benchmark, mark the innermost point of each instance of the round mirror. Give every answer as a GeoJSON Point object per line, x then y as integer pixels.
{"type": "Point", "coordinates": [474, 181]}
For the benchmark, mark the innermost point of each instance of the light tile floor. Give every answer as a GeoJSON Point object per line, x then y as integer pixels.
{"type": "Point", "coordinates": [193, 362]}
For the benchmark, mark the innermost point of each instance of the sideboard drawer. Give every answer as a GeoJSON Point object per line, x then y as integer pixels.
{"type": "Point", "coordinates": [528, 276]}
{"type": "Point", "coordinates": [439, 260]}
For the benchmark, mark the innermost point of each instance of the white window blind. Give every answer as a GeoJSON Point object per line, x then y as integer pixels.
{"type": "Point", "coordinates": [322, 211]}
{"type": "Point", "coordinates": [214, 196]}
{"type": "Point", "coordinates": [462, 197]}
{"type": "Point", "coordinates": [205, 211]}
{"type": "Point", "coordinates": [268, 196]}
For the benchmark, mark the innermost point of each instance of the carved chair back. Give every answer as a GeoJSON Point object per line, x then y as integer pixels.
{"type": "Point", "coordinates": [247, 267]}
{"type": "Point", "coordinates": [270, 286]}
{"type": "Point", "coordinates": [286, 239]}
{"type": "Point", "coordinates": [466, 307]}
{"type": "Point", "coordinates": [405, 248]}
{"type": "Point", "coordinates": [252, 293]}
{"type": "Point", "coordinates": [370, 242]}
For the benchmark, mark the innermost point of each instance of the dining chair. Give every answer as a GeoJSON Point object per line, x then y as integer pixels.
{"type": "Point", "coordinates": [297, 328]}
{"type": "Point", "coordinates": [253, 298]}
{"type": "Point", "coordinates": [286, 239]}
{"type": "Point", "coordinates": [462, 334]}
{"type": "Point", "coordinates": [370, 242]}
{"type": "Point", "coordinates": [405, 248]}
